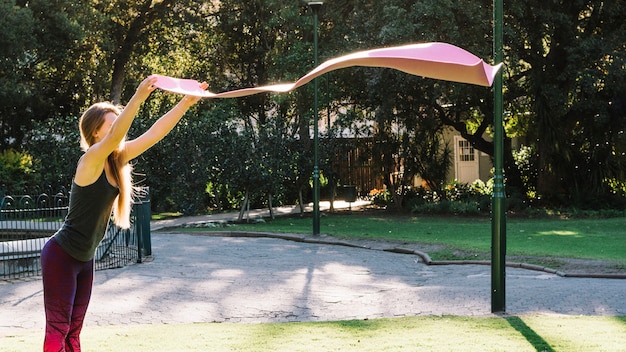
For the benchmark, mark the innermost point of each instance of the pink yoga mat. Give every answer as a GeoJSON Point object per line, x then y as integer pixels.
{"type": "Point", "coordinates": [432, 60]}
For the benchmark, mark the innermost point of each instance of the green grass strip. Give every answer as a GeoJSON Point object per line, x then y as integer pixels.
{"type": "Point", "coordinates": [601, 239]}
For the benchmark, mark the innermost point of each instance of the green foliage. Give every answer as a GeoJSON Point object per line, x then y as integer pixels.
{"type": "Point", "coordinates": [44, 75]}
{"type": "Point", "coordinates": [380, 197]}
{"type": "Point", "coordinates": [54, 143]}
{"type": "Point", "coordinates": [457, 198]}
{"type": "Point", "coordinates": [15, 42]}
{"type": "Point", "coordinates": [574, 212]}
{"type": "Point", "coordinates": [220, 198]}
{"type": "Point", "coordinates": [16, 54]}
{"type": "Point", "coordinates": [449, 207]}
{"type": "Point", "coordinates": [17, 170]}
{"type": "Point", "coordinates": [565, 59]}
{"type": "Point", "coordinates": [177, 169]}
{"type": "Point", "coordinates": [526, 159]}
{"type": "Point", "coordinates": [618, 187]}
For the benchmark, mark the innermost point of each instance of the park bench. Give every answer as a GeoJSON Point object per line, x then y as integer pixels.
{"type": "Point", "coordinates": [18, 256]}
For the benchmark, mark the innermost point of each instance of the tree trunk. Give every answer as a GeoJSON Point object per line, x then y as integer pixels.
{"type": "Point", "coordinates": [333, 189]}
{"type": "Point", "coordinates": [244, 205]}
{"type": "Point", "coordinates": [549, 185]}
{"type": "Point", "coordinates": [147, 15]}
{"type": "Point", "coordinates": [269, 200]}
{"type": "Point", "coordinates": [300, 200]}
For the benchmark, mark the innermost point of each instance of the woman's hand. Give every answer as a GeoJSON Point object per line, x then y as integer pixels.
{"type": "Point", "coordinates": [161, 127]}
{"type": "Point", "coordinates": [146, 87]}
{"type": "Point", "coordinates": [189, 100]}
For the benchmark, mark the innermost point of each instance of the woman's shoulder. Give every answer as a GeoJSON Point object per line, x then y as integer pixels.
{"type": "Point", "coordinates": [88, 170]}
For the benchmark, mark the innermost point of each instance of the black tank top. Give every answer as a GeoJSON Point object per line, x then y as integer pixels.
{"type": "Point", "coordinates": [87, 219]}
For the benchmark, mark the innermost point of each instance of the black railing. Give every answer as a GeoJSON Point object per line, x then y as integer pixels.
{"type": "Point", "coordinates": [27, 222]}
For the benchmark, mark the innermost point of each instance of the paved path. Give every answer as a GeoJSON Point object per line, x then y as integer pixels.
{"type": "Point", "coordinates": [232, 279]}
{"type": "Point", "coordinates": [253, 214]}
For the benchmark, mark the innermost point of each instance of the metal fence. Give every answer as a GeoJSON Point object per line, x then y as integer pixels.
{"type": "Point", "coordinates": [27, 222]}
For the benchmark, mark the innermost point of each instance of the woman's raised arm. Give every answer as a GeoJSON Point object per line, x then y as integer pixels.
{"type": "Point", "coordinates": [122, 123]}
{"type": "Point", "coordinates": [91, 164]}
{"type": "Point", "coordinates": [161, 127]}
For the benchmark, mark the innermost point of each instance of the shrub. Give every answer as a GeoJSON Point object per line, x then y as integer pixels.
{"type": "Point", "coordinates": [17, 171]}
{"type": "Point", "coordinates": [380, 197]}
{"type": "Point", "coordinates": [54, 145]}
{"type": "Point", "coordinates": [448, 207]}
{"type": "Point", "coordinates": [526, 159]}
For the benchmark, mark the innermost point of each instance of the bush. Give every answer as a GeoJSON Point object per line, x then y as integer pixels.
{"type": "Point", "coordinates": [17, 171]}
{"type": "Point", "coordinates": [380, 197]}
{"type": "Point", "coordinates": [526, 158]}
{"type": "Point", "coordinates": [448, 207]}
{"type": "Point", "coordinates": [54, 145]}
{"type": "Point", "coordinates": [458, 198]}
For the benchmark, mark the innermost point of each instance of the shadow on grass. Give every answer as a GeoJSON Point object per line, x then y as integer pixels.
{"type": "Point", "coordinates": [529, 334]}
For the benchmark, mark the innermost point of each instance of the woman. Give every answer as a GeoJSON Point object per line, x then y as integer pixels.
{"type": "Point", "coordinates": [102, 182]}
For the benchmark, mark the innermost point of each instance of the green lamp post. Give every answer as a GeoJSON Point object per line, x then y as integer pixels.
{"type": "Point", "coordinates": [315, 8]}
{"type": "Point", "coordinates": [498, 219]}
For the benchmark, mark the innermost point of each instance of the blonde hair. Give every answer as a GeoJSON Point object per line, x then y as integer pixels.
{"type": "Point", "coordinates": [89, 123]}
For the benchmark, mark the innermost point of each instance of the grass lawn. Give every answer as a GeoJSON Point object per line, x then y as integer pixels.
{"type": "Point", "coordinates": [600, 239]}
{"type": "Point", "coordinates": [447, 333]}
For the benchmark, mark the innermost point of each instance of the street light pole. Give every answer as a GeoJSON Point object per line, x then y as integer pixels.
{"type": "Point", "coordinates": [498, 220]}
{"type": "Point", "coordinates": [315, 7]}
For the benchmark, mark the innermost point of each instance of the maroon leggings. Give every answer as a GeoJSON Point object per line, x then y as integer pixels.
{"type": "Point", "coordinates": [67, 286]}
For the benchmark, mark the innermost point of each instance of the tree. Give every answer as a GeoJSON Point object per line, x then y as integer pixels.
{"type": "Point", "coordinates": [16, 42]}
{"type": "Point", "coordinates": [55, 144]}
{"type": "Point", "coordinates": [16, 172]}
{"type": "Point", "coordinates": [563, 76]}
{"type": "Point", "coordinates": [135, 25]}
{"type": "Point", "coordinates": [568, 59]}
{"type": "Point", "coordinates": [260, 42]}
{"type": "Point", "coordinates": [66, 55]}
{"type": "Point", "coordinates": [38, 38]}
{"type": "Point", "coordinates": [400, 101]}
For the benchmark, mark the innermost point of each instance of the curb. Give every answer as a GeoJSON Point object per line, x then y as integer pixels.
{"type": "Point", "coordinates": [424, 257]}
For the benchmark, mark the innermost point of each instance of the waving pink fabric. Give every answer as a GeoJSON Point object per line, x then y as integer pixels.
{"type": "Point", "coordinates": [432, 60]}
